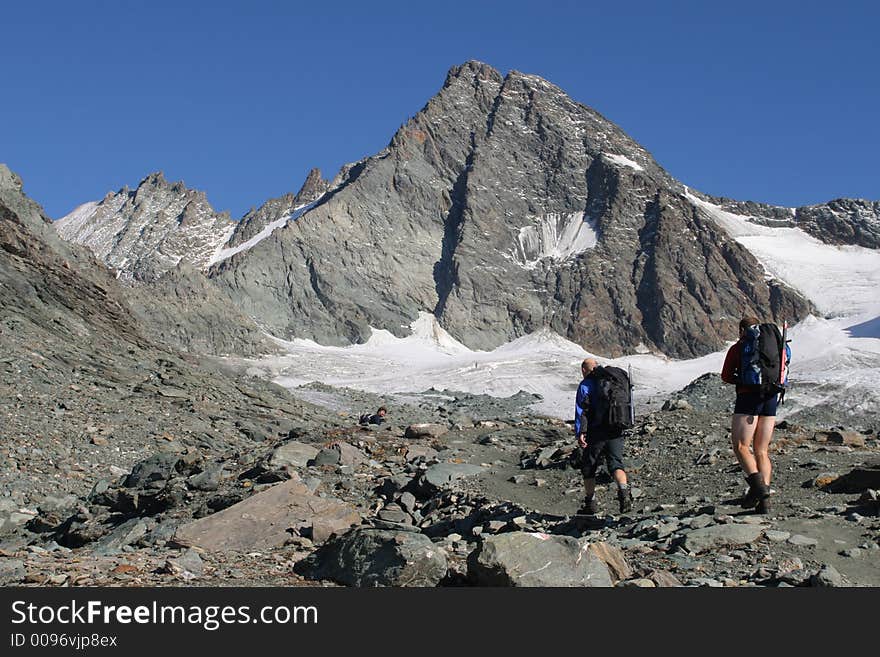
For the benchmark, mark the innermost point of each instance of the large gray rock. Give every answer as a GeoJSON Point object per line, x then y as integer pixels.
{"type": "Point", "coordinates": [382, 557]}
{"type": "Point", "coordinates": [443, 474]}
{"type": "Point", "coordinates": [127, 533]}
{"type": "Point", "coordinates": [415, 431]}
{"type": "Point", "coordinates": [293, 453]}
{"type": "Point", "coordinates": [715, 536]}
{"type": "Point", "coordinates": [265, 520]}
{"type": "Point", "coordinates": [527, 559]}
{"type": "Point", "coordinates": [827, 577]}
{"type": "Point", "coordinates": [12, 571]}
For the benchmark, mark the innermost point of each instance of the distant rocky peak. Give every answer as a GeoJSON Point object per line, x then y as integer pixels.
{"type": "Point", "coordinates": [9, 179]}
{"type": "Point", "coordinates": [472, 72]}
{"type": "Point", "coordinates": [145, 232]}
{"type": "Point", "coordinates": [312, 189]}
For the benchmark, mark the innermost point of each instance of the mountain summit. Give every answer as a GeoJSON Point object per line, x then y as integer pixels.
{"type": "Point", "coordinates": [148, 231]}
{"type": "Point", "coordinates": [503, 206]}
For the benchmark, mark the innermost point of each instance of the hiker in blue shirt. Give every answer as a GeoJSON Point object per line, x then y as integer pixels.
{"type": "Point", "coordinates": [595, 441]}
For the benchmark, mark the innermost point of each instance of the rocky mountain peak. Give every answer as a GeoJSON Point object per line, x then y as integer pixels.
{"type": "Point", "coordinates": [473, 73]}
{"type": "Point", "coordinates": [9, 179]}
{"type": "Point", "coordinates": [144, 233]}
{"type": "Point", "coordinates": [505, 207]}
{"type": "Point", "coordinates": [313, 187]}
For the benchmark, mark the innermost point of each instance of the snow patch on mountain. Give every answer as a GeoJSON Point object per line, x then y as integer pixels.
{"type": "Point", "coordinates": [841, 281]}
{"type": "Point", "coordinates": [80, 214]}
{"type": "Point", "coordinates": [223, 252]}
{"type": "Point", "coordinates": [623, 161]}
{"type": "Point", "coordinates": [835, 359]}
{"type": "Point", "coordinates": [554, 235]}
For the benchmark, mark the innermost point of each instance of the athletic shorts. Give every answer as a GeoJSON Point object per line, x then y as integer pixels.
{"type": "Point", "coordinates": [610, 448]}
{"type": "Point", "coordinates": [756, 403]}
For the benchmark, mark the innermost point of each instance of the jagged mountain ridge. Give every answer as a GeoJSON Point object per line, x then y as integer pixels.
{"type": "Point", "coordinates": [504, 207]}
{"type": "Point", "coordinates": [144, 232]}
{"type": "Point", "coordinates": [81, 382]}
{"type": "Point", "coordinates": [476, 211]}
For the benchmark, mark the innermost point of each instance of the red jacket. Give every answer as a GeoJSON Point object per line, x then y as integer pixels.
{"type": "Point", "coordinates": [730, 371]}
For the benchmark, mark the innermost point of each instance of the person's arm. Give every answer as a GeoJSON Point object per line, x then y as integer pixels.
{"type": "Point", "coordinates": [731, 365]}
{"type": "Point", "coordinates": [582, 401]}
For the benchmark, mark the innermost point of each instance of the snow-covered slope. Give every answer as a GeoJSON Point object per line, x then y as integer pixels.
{"type": "Point", "coordinates": [835, 364]}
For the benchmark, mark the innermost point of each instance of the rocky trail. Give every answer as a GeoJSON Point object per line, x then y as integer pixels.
{"type": "Point", "coordinates": [455, 490]}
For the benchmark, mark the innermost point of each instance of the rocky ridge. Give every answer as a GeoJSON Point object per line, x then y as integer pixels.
{"type": "Point", "coordinates": [82, 389]}
{"type": "Point", "coordinates": [504, 207]}
{"type": "Point", "coordinates": [145, 232]}
{"type": "Point", "coordinates": [274, 210]}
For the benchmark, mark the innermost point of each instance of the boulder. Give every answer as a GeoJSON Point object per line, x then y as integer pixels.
{"type": "Point", "coordinates": [613, 558]}
{"type": "Point", "coordinates": [367, 557]}
{"type": "Point", "coordinates": [848, 438]}
{"type": "Point", "coordinates": [415, 431]}
{"type": "Point", "coordinates": [533, 559]}
{"type": "Point", "coordinates": [327, 456]}
{"type": "Point", "coordinates": [414, 452]}
{"type": "Point", "coordinates": [11, 571]}
{"type": "Point", "coordinates": [349, 454]}
{"type": "Point", "coordinates": [293, 453]}
{"type": "Point", "coordinates": [127, 533]}
{"type": "Point", "coordinates": [827, 577]}
{"type": "Point", "coordinates": [858, 480]}
{"type": "Point", "coordinates": [156, 468]}
{"type": "Point", "coordinates": [442, 474]}
{"type": "Point", "coordinates": [716, 536]}
{"type": "Point", "coordinates": [207, 480]}
{"type": "Point", "coordinates": [663, 578]}
{"type": "Point", "coordinates": [188, 565]}
{"type": "Point", "coordinates": [266, 520]}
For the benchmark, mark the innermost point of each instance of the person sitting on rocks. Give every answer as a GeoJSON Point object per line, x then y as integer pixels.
{"type": "Point", "coordinates": [597, 440]}
{"type": "Point", "coordinates": [377, 418]}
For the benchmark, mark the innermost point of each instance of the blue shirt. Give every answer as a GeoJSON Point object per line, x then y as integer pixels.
{"type": "Point", "coordinates": [581, 403]}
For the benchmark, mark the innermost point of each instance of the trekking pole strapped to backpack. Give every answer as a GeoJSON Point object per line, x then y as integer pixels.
{"type": "Point", "coordinates": [632, 405]}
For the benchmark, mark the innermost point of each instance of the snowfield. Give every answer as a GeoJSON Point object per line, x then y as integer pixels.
{"type": "Point", "coordinates": [835, 362]}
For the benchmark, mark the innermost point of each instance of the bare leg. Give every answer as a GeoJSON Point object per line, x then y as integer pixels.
{"type": "Point", "coordinates": [742, 432]}
{"type": "Point", "coordinates": [763, 436]}
{"type": "Point", "coordinates": [620, 477]}
{"type": "Point", "coordinates": [589, 486]}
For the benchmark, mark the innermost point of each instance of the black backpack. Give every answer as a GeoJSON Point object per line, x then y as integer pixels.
{"type": "Point", "coordinates": [762, 353]}
{"type": "Point", "coordinates": [612, 407]}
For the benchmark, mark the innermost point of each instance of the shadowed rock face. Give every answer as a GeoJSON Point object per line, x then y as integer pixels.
{"type": "Point", "coordinates": [503, 207]}
{"type": "Point", "coordinates": [183, 310]}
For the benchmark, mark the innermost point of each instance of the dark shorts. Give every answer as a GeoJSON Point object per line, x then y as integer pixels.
{"type": "Point", "coordinates": [756, 403]}
{"type": "Point", "coordinates": [610, 448]}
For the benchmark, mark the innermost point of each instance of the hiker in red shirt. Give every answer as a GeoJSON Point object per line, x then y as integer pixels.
{"type": "Point", "coordinates": [754, 418]}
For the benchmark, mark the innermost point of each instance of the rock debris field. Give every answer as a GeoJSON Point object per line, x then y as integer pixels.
{"type": "Point", "coordinates": [454, 490]}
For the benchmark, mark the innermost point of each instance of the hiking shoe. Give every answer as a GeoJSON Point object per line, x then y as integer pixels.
{"type": "Point", "coordinates": [763, 506]}
{"type": "Point", "coordinates": [625, 497]}
{"type": "Point", "coordinates": [589, 508]}
{"type": "Point", "coordinates": [757, 491]}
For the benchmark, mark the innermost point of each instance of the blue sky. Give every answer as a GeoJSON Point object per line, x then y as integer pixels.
{"type": "Point", "coordinates": [766, 101]}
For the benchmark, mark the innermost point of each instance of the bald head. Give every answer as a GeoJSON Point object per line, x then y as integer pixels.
{"type": "Point", "coordinates": [588, 365]}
